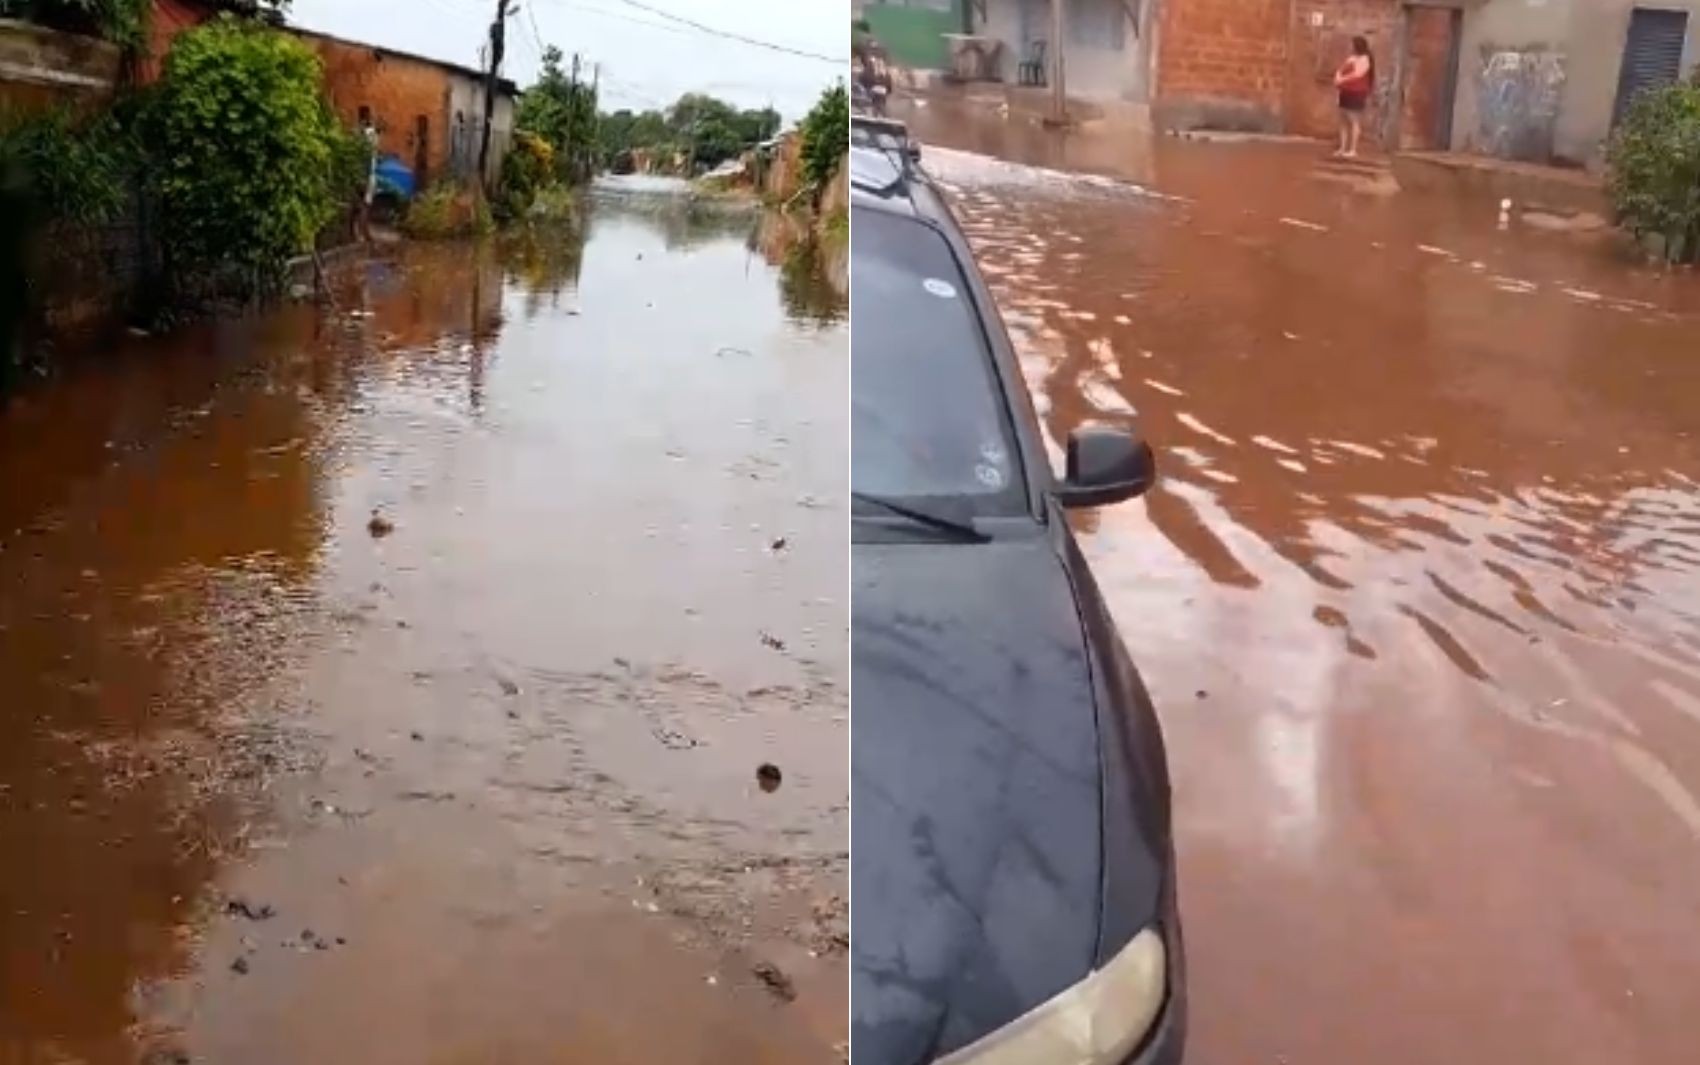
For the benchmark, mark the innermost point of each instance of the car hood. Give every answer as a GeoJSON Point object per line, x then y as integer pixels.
{"type": "Point", "coordinates": [976, 788]}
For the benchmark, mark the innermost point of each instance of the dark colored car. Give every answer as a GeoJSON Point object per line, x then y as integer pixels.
{"type": "Point", "coordinates": [1012, 873]}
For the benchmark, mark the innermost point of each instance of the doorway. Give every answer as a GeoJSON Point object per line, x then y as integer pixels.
{"type": "Point", "coordinates": [421, 152]}
{"type": "Point", "coordinates": [1652, 55]}
{"type": "Point", "coordinates": [1429, 87]}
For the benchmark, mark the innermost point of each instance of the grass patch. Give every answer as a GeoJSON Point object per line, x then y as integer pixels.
{"type": "Point", "coordinates": [447, 212]}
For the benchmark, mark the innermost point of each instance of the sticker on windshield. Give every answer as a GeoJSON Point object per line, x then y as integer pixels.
{"type": "Point", "coordinates": [990, 476]}
{"type": "Point", "coordinates": [993, 452]}
{"type": "Point", "coordinates": [944, 290]}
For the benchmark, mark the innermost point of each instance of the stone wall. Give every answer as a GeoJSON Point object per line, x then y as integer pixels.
{"type": "Point", "coordinates": [77, 275]}
{"type": "Point", "coordinates": [40, 68]}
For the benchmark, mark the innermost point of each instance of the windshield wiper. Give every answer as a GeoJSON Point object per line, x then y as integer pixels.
{"type": "Point", "coordinates": [961, 529]}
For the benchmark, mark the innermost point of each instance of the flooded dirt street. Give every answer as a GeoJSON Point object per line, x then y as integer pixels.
{"type": "Point", "coordinates": [1416, 599]}
{"type": "Point", "coordinates": [390, 684]}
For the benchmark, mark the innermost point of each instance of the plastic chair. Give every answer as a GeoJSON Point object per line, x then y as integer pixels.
{"type": "Point", "coordinates": [1031, 71]}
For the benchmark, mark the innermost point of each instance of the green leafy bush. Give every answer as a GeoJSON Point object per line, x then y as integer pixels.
{"type": "Point", "coordinates": [70, 170]}
{"type": "Point", "coordinates": [561, 110]}
{"type": "Point", "coordinates": [835, 231]}
{"type": "Point", "coordinates": [445, 211]}
{"type": "Point", "coordinates": [54, 169]}
{"type": "Point", "coordinates": [247, 156]}
{"type": "Point", "coordinates": [1655, 169]}
{"type": "Point", "coordinates": [554, 205]}
{"type": "Point", "coordinates": [351, 162]}
{"type": "Point", "coordinates": [526, 170]}
{"type": "Point", "coordinates": [826, 136]}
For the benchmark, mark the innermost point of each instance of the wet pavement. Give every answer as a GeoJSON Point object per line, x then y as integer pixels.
{"type": "Point", "coordinates": [389, 684]}
{"type": "Point", "coordinates": [1416, 599]}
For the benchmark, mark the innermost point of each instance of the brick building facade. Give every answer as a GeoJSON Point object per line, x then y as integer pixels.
{"type": "Point", "coordinates": [166, 20]}
{"type": "Point", "coordinates": [1269, 65]}
{"type": "Point", "coordinates": [1222, 63]}
{"type": "Point", "coordinates": [428, 113]}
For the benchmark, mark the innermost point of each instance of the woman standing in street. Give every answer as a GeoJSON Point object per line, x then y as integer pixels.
{"type": "Point", "coordinates": [1355, 81]}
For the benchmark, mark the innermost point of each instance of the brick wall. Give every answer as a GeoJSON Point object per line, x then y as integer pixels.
{"type": "Point", "coordinates": [399, 91]}
{"type": "Point", "coordinates": [1269, 64]}
{"type": "Point", "coordinates": [42, 68]}
{"type": "Point", "coordinates": [1222, 63]}
{"type": "Point", "coordinates": [168, 19]}
{"type": "Point", "coordinates": [1322, 38]}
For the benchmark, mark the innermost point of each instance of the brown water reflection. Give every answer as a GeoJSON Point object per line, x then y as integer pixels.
{"type": "Point", "coordinates": [482, 789]}
{"type": "Point", "coordinates": [1417, 596]}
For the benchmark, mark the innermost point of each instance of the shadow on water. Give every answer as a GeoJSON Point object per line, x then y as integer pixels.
{"type": "Point", "coordinates": [544, 264]}
{"type": "Point", "coordinates": [438, 750]}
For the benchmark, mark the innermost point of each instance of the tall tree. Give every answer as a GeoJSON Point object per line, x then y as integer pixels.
{"type": "Point", "coordinates": [561, 110]}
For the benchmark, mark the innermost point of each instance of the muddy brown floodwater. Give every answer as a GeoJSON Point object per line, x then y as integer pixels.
{"type": "Point", "coordinates": [476, 780]}
{"type": "Point", "coordinates": [1416, 598]}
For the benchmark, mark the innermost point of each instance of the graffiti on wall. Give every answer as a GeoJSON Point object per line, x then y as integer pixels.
{"type": "Point", "coordinates": [1517, 101]}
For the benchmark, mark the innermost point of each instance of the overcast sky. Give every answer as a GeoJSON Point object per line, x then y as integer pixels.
{"type": "Point", "coordinates": [646, 60]}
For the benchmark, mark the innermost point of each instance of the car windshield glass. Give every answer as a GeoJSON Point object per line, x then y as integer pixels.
{"type": "Point", "coordinates": [927, 419]}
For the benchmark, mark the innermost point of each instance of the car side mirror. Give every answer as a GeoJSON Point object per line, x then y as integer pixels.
{"type": "Point", "coordinates": [1106, 466]}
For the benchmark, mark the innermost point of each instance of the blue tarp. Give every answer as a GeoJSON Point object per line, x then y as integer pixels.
{"type": "Point", "coordinates": [394, 178]}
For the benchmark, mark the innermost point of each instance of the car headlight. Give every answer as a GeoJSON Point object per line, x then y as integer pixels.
{"type": "Point", "coordinates": [1099, 1021]}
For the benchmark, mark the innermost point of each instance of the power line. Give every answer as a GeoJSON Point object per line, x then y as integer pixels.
{"type": "Point", "coordinates": [729, 35]}
{"type": "Point", "coordinates": [626, 88]}
{"type": "Point", "coordinates": [531, 16]}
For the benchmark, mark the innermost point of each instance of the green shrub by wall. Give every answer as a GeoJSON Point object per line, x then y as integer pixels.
{"type": "Point", "coordinates": [1655, 169]}
{"type": "Point", "coordinates": [247, 157]}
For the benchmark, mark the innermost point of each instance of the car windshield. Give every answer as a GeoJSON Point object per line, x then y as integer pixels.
{"type": "Point", "coordinates": [927, 420]}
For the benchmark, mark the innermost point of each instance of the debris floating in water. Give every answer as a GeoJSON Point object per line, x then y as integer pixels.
{"type": "Point", "coordinates": [775, 980]}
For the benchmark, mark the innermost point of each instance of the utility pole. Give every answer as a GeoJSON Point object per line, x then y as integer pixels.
{"type": "Point", "coordinates": [1059, 94]}
{"type": "Point", "coordinates": [498, 47]}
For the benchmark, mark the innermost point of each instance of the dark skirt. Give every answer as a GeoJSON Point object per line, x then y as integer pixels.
{"type": "Point", "coordinates": [1353, 101]}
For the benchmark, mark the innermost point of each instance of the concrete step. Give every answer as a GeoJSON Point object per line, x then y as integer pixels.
{"type": "Point", "coordinates": [1367, 165]}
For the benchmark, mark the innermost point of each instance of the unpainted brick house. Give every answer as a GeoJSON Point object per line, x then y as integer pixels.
{"type": "Point", "coordinates": [1269, 65]}
{"type": "Point", "coordinates": [1537, 80]}
{"type": "Point", "coordinates": [1264, 65]}
{"type": "Point", "coordinates": [428, 113]}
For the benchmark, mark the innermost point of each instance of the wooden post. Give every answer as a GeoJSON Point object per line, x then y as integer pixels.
{"type": "Point", "coordinates": [1059, 92]}
{"type": "Point", "coordinates": [498, 46]}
